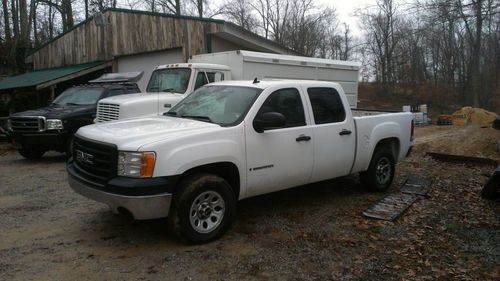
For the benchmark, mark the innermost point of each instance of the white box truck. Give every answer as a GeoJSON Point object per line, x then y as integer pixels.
{"type": "Point", "coordinates": [170, 83]}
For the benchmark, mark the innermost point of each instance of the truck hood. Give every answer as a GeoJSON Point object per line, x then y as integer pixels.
{"type": "Point", "coordinates": [58, 112]}
{"type": "Point", "coordinates": [140, 98]}
{"type": "Point", "coordinates": [131, 134]}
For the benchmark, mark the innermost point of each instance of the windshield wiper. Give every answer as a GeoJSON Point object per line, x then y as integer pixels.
{"type": "Point", "coordinates": [72, 103]}
{"type": "Point", "coordinates": [171, 113]}
{"type": "Point", "coordinates": [167, 90]}
{"type": "Point", "coordinates": [198, 117]}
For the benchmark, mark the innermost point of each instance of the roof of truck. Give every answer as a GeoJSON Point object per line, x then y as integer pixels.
{"type": "Point", "coordinates": [194, 65]}
{"type": "Point", "coordinates": [265, 83]}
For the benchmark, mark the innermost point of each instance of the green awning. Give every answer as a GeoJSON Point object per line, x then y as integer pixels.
{"type": "Point", "coordinates": [47, 77]}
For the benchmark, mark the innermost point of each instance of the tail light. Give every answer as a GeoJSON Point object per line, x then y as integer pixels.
{"type": "Point", "coordinates": [412, 129]}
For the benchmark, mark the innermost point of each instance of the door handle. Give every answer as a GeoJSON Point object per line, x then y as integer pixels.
{"type": "Point", "coordinates": [303, 138]}
{"type": "Point", "coordinates": [345, 132]}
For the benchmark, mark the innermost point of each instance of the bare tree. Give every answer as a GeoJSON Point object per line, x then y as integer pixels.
{"type": "Point", "coordinates": [240, 12]}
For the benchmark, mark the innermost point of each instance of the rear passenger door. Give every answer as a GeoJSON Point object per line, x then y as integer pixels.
{"type": "Point", "coordinates": [333, 134]}
{"type": "Point", "coordinates": [279, 158]}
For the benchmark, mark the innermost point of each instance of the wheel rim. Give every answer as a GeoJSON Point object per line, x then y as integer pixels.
{"type": "Point", "coordinates": [207, 212]}
{"type": "Point", "coordinates": [383, 171]}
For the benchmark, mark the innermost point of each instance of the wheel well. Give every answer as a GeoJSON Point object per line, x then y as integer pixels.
{"type": "Point", "coordinates": [225, 170]}
{"type": "Point", "coordinates": [392, 144]}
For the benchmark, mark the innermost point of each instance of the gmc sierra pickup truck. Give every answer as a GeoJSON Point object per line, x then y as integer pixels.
{"type": "Point", "coordinates": [232, 140]}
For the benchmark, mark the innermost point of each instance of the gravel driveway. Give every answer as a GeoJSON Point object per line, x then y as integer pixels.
{"type": "Point", "coordinates": [313, 232]}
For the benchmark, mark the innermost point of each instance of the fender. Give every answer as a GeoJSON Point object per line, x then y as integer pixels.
{"type": "Point", "coordinates": [381, 131]}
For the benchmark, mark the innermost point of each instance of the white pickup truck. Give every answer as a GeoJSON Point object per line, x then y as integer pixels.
{"type": "Point", "coordinates": [170, 83]}
{"type": "Point", "coordinates": [232, 140]}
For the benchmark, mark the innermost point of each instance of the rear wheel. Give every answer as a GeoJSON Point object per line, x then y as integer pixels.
{"type": "Point", "coordinates": [203, 209]}
{"type": "Point", "coordinates": [381, 171]}
{"type": "Point", "coordinates": [31, 153]}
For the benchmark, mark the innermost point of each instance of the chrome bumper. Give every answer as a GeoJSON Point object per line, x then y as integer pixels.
{"type": "Point", "coordinates": [141, 207]}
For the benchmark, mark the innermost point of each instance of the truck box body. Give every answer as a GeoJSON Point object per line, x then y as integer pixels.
{"type": "Point", "coordinates": [247, 65]}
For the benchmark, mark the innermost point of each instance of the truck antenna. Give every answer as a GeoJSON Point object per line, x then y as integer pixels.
{"type": "Point", "coordinates": [255, 81]}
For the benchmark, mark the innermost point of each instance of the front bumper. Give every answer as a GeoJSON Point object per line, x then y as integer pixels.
{"type": "Point", "coordinates": [46, 140]}
{"type": "Point", "coordinates": [142, 207]}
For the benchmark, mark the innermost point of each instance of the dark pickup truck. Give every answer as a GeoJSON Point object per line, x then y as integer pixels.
{"type": "Point", "coordinates": [35, 132]}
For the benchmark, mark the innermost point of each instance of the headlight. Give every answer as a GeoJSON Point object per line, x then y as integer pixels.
{"type": "Point", "coordinates": [136, 164]}
{"type": "Point", "coordinates": [54, 124]}
{"type": "Point", "coordinates": [9, 125]}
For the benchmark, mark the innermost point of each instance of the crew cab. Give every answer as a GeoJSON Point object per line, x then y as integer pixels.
{"type": "Point", "coordinates": [232, 140]}
{"type": "Point", "coordinates": [37, 131]}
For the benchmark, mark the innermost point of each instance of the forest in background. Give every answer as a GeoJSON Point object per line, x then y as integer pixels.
{"type": "Point", "coordinates": [439, 52]}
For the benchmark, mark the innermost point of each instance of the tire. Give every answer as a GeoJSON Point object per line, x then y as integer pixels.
{"type": "Point", "coordinates": [491, 189]}
{"type": "Point", "coordinates": [381, 171]}
{"type": "Point", "coordinates": [203, 208]}
{"type": "Point", "coordinates": [69, 147]}
{"type": "Point", "coordinates": [31, 153]}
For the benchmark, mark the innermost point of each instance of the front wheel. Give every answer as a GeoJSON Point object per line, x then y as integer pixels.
{"type": "Point", "coordinates": [203, 209]}
{"type": "Point", "coordinates": [381, 171]}
{"type": "Point", "coordinates": [31, 153]}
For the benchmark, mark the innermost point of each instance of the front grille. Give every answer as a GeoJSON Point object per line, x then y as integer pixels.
{"type": "Point", "coordinates": [99, 159]}
{"type": "Point", "coordinates": [32, 124]}
{"type": "Point", "coordinates": [107, 112]}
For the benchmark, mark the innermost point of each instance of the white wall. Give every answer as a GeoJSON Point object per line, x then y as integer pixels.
{"type": "Point", "coordinates": [147, 62]}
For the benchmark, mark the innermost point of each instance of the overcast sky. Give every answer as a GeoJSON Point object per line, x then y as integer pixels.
{"type": "Point", "coordinates": [345, 11]}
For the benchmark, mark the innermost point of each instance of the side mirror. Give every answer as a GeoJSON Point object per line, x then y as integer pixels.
{"type": "Point", "coordinates": [268, 121]}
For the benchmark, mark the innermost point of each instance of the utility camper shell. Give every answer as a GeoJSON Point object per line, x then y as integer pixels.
{"type": "Point", "coordinates": [247, 65]}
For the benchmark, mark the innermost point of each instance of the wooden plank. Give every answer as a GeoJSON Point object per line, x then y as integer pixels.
{"type": "Point", "coordinates": [462, 159]}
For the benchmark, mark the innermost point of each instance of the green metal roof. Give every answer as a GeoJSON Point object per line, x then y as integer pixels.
{"type": "Point", "coordinates": [31, 79]}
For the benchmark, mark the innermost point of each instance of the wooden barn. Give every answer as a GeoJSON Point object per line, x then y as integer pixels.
{"type": "Point", "coordinates": [120, 40]}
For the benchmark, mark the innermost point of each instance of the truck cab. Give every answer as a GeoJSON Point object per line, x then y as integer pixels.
{"type": "Point", "coordinates": [168, 85]}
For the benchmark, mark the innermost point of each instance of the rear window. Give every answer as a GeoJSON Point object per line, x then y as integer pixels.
{"type": "Point", "coordinates": [326, 105]}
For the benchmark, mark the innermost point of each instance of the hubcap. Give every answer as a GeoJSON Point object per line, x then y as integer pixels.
{"type": "Point", "coordinates": [383, 171]}
{"type": "Point", "coordinates": [207, 212]}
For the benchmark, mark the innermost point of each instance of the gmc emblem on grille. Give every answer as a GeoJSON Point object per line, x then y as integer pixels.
{"type": "Point", "coordinates": [84, 157]}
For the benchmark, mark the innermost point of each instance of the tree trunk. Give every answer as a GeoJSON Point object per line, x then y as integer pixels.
{"type": "Point", "coordinates": [86, 9]}
{"type": "Point", "coordinates": [15, 19]}
{"type": "Point", "coordinates": [178, 7]}
{"type": "Point", "coordinates": [6, 23]}
{"type": "Point", "coordinates": [67, 14]}
{"type": "Point", "coordinates": [475, 65]}
{"type": "Point", "coordinates": [23, 19]}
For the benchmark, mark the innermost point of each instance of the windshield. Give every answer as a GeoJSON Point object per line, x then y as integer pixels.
{"type": "Point", "coordinates": [79, 96]}
{"type": "Point", "coordinates": [169, 80]}
{"type": "Point", "coordinates": [223, 105]}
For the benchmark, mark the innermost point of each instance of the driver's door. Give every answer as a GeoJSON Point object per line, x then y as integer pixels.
{"type": "Point", "coordinates": [279, 158]}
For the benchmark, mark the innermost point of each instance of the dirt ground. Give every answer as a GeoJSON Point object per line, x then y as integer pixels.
{"type": "Point", "coordinates": [313, 232]}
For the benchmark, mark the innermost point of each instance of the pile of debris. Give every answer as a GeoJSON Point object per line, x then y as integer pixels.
{"type": "Point", "coordinates": [473, 116]}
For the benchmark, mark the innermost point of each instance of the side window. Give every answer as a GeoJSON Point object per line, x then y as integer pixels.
{"type": "Point", "coordinates": [288, 103]}
{"type": "Point", "coordinates": [116, 92]}
{"type": "Point", "coordinates": [201, 80]}
{"type": "Point", "coordinates": [326, 105]}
